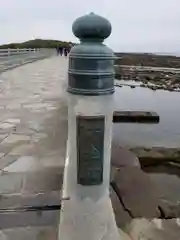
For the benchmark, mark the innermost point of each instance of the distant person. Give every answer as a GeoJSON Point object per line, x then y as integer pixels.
{"type": "Point", "coordinates": [70, 46]}
{"type": "Point", "coordinates": [61, 50]}
{"type": "Point", "coordinates": [57, 50]}
{"type": "Point", "coordinates": [65, 51]}
{"type": "Point", "coordinates": [68, 49]}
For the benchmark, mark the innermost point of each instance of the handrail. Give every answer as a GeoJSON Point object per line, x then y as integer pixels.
{"type": "Point", "coordinates": [17, 51]}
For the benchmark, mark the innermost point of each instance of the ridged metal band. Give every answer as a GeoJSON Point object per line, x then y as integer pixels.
{"type": "Point", "coordinates": [91, 84]}
{"type": "Point", "coordinates": [91, 76]}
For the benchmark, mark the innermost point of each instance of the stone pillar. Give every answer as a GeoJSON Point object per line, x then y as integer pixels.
{"type": "Point", "coordinates": [88, 214]}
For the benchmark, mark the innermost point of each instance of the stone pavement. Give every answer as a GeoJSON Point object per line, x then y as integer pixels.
{"type": "Point", "coordinates": [13, 61]}
{"type": "Point", "coordinates": [33, 135]}
{"type": "Point", "coordinates": [33, 117]}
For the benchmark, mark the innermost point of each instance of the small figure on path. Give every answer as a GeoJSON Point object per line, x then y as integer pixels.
{"type": "Point", "coordinates": [65, 51]}
{"type": "Point", "coordinates": [69, 49]}
{"type": "Point", "coordinates": [57, 50]}
{"type": "Point", "coordinates": [61, 50]}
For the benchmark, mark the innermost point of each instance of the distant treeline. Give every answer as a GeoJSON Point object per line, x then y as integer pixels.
{"type": "Point", "coordinates": [38, 43]}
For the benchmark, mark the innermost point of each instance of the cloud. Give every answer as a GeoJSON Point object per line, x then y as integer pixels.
{"type": "Point", "coordinates": [138, 25]}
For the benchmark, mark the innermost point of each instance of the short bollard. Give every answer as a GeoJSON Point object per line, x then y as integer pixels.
{"type": "Point", "coordinates": [88, 214]}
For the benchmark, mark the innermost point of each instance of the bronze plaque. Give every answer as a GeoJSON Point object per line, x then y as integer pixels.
{"type": "Point", "coordinates": [90, 149]}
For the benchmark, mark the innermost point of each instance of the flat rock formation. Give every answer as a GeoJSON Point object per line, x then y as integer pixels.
{"type": "Point", "coordinates": [135, 117]}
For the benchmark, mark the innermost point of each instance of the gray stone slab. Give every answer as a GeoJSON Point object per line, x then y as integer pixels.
{"type": "Point", "coordinates": [15, 138]}
{"type": "Point", "coordinates": [38, 137]}
{"type": "Point", "coordinates": [167, 181]}
{"type": "Point", "coordinates": [30, 233]}
{"type": "Point", "coordinates": [137, 191]}
{"type": "Point", "coordinates": [47, 180]}
{"type": "Point", "coordinates": [2, 154]}
{"type": "Point", "coordinates": [23, 149]}
{"type": "Point", "coordinates": [13, 120]}
{"type": "Point", "coordinates": [2, 236]}
{"type": "Point", "coordinates": [7, 160]}
{"type": "Point", "coordinates": [169, 210]}
{"type": "Point", "coordinates": [24, 130]}
{"type": "Point", "coordinates": [11, 183]}
{"type": "Point", "coordinates": [35, 125]}
{"type": "Point", "coordinates": [23, 164]}
{"type": "Point", "coordinates": [21, 100]}
{"type": "Point", "coordinates": [54, 160]}
{"type": "Point", "coordinates": [24, 219]}
{"type": "Point", "coordinates": [14, 106]}
{"type": "Point", "coordinates": [28, 200]}
{"type": "Point", "coordinates": [4, 126]}
{"type": "Point", "coordinates": [3, 136]}
{"type": "Point", "coordinates": [37, 106]}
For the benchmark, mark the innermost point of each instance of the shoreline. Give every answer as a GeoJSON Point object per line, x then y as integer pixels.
{"type": "Point", "coordinates": [151, 156]}
{"type": "Point", "coordinates": [152, 79]}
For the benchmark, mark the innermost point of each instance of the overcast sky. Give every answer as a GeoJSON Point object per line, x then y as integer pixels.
{"type": "Point", "coordinates": [138, 25]}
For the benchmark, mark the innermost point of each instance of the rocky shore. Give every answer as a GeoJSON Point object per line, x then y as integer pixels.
{"type": "Point", "coordinates": [152, 79]}
{"type": "Point", "coordinates": [138, 198]}
{"type": "Point", "coordinates": [133, 183]}
{"type": "Point", "coordinates": [156, 155]}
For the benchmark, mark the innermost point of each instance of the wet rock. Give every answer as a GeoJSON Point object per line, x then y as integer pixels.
{"type": "Point", "coordinates": [137, 191]}
{"type": "Point", "coordinates": [156, 229]}
{"type": "Point", "coordinates": [147, 78]}
{"type": "Point", "coordinates": [169, 210]}
{"type": "Point", "coordinates": [145, 81]}
{"type": "Point", "coordinates": [154, 88]}
{"type": "Point", "coordinates": [156, 155]}
{"type": "Point", "coordinates": [121, 215]}
{"type": "Point", "coordinates": [159, 79]}
{"type": "Point", "coordinates": [175, 80]}
{"type": "Point", "coordinates": [121, 157]}
{"type": "Point", "coordinates": [167, 181]}
{"type": "Point", "coordinates": [170, 89]}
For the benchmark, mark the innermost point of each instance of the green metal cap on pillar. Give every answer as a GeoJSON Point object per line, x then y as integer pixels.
{"type": "Point", "coordinates": [91, 63]}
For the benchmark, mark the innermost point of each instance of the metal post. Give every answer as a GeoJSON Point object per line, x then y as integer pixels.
{"type": "Point", "coordinates": [88, 214]}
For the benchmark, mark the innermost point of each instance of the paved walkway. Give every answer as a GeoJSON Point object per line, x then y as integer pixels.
{"type": "Point", "coordinates": [33, 120]}
{"type": "Point", "coordinates": [33, 134]}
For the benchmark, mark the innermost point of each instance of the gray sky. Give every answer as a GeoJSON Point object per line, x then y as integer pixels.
{"type": "Point", "coordinates": [138, 25]}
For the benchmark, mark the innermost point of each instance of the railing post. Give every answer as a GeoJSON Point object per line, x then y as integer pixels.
{"type": "Point", "coordinates": [88, 214]}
